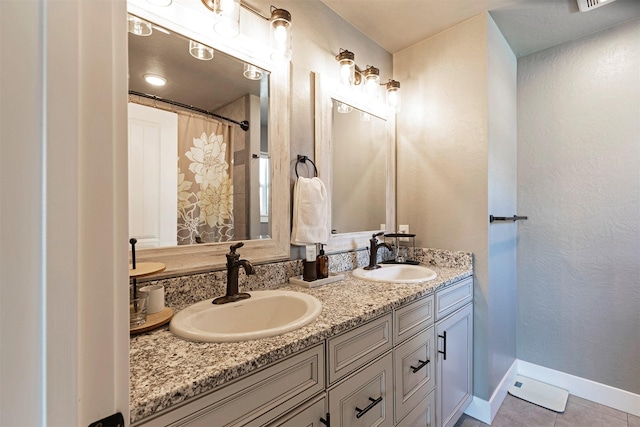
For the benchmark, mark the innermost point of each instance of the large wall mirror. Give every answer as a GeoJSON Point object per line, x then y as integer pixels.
{"type": "Point", "coordinates": [209, 150]}
{"type": "Point", "coordinates": [355, 152]}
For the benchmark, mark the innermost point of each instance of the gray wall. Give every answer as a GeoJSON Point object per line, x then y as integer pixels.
{"type": "Point", "coordinates": [456, 162]}
{"type": "Point", "coordinates": [579, 181]}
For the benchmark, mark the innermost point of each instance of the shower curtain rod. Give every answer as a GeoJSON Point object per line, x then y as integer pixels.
{"type": "Point", "coordinates": [244, 125]}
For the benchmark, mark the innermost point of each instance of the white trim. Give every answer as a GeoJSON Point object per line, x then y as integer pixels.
{"type": "Point", "coordinates": [616, 398]}
{"type": "Point", "coordinates": [486, 411]}
{"type": "Point", "coordinates": [596, 392]}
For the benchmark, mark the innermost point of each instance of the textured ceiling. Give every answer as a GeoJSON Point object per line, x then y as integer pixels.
{"type": "Point", "coordinates": [528, 25]}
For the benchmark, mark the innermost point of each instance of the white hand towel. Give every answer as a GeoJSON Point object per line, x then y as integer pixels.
{"type": "Point", "coordinates": [309, 212]}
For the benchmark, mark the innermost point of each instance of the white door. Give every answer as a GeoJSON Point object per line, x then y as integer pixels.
{"type": "Point", "coordinates": [153, 176]}
{"type": "Point", "coordinates": [64, 332]}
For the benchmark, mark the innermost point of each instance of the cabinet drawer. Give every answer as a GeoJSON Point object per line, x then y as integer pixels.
{"type": "Point", "coordinates": [423, 415]}
{"type": "Point", "coordinates": [453, 297]}
{"type": "Point", "coordinates": [414, 363]}
{"type": "Point", "coordinates": [278, 388]}
{"type": "Point", "coordinates": [365, 398]}
{"type": "Point", "coordinates": [308, 416]}
{"type": "Point", "coordinates": [353, 349]}
{"type": "Point", "coordinates": [412, 318]}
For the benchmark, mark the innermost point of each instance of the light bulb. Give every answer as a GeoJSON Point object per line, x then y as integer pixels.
{"type": "Point", "coordinates": [280, 35]}
{"type": "Point", "coordinates": [393, 95]}
{"type": "Point", "coordinates": [346, 67]}
{"type": "Point", "coordinates": [227, 21]}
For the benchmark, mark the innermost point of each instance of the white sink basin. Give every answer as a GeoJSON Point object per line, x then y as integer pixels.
{"type": "Point", "coordinates": [265, 314]}
{"type": "Point", "coordinates": [396, 273]}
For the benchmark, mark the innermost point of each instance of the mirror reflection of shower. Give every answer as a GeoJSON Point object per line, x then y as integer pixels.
{"type": "Point", "coordinates": [220, 184]}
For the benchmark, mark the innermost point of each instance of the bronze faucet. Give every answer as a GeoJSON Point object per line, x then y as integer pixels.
{"type": "Point", "coordinates": [233, 267]}
{"type": "Point", "coordinates": [373, 250]}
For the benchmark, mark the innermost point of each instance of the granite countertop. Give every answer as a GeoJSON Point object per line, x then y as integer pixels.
{"type": "Point", "coordinates": [166, 370]}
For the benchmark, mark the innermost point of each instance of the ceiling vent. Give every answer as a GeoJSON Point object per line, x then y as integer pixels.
{"type": "Point", "coordinates": [587, 5]}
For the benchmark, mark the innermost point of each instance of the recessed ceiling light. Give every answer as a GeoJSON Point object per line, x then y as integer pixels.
{"type": "Point", "coordinates": [155, 80]}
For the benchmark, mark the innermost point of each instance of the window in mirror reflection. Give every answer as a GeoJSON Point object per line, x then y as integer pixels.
{"type": "Point", "coordinates": [195, 177]}
{"type": "Point", "coordinates": [359, 170]}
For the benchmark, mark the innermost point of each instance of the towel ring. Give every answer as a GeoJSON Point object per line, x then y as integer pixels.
{"type": "Point", "coordinates": [303, 159]}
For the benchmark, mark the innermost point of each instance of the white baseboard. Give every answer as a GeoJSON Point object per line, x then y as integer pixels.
{"type": "Point", "coordinates": [484, 410]}
{"type": "Point", "coordinates": [600, 393]}
{"type": "Point", "coordinates": [621, 400]}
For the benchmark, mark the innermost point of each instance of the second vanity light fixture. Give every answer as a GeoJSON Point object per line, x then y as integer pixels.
{"type": "Point", "coordinates": [351, 75]}
{"type": "Point", "coordinates": [227, 24]}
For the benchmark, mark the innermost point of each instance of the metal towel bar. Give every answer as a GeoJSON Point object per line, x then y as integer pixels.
{"type": "Point", "coordinates": [507, 218]}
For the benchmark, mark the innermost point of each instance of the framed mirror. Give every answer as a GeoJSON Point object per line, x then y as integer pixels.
{"type": "Point", "coordinates": [356, 156]}
{"type": "Point", "coordinates": [220, 183]}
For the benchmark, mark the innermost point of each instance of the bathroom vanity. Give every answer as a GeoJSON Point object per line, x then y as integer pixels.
{"type": "Point", "coordinates": [379, 354]}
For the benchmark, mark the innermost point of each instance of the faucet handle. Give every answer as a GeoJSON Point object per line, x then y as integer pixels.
{"type": "Point", "coordinates": [374, 235]}
{"type": "Point", "coordinates": [233, 248]}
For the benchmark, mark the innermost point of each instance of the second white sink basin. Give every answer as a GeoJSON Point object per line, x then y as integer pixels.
{"type": "Point", "coordinates": [265, 314]}
{"type": "Point", "coordinates": [396, 273]}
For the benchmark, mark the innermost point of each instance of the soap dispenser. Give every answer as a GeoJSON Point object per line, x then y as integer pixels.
{"type": "Point", "coordinates": [322, 264]}
{"type": "Point", "coordinates": [309, 272]}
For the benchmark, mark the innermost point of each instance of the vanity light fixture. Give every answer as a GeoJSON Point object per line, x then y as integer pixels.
{"type": "Point", "coordinates": [346, 67]}
{"type": "Point", "coordinates": [155, 80]}
{"type": "Point", "coordinates": [200, 51]}
{"type": "Point", "coordinates": [350, 75]}
{"type": "Point", "coordinates": [138, 26]}
{"type": "Point", "coordinates": [280, 35]}
{"type": "Point", "coordinates": [252, 72]}
{"type": "Point", "coordinates": [393, 94]}
{"type": "Point", "coordinates": [227, 23]}
{"type": "Point", "coordinates": [371, 81]}
{"type": "Point", "coordinates": [227, 16]}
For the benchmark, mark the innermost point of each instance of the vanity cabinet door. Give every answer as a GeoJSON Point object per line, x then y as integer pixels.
{"type": "Point", "coordinates": [308, 415]}
{"type": "Point", "coordinates": [414, 372]}
{"type": "Point", "coordinates": [454, 365]}
{"type": "Point", "coordinates": [365, 398]}
{"type": "Point", "coordinates": [423, 415]}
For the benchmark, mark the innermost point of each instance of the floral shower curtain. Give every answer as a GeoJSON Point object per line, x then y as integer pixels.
{"type": "Point", "coordinates": [205, 188]}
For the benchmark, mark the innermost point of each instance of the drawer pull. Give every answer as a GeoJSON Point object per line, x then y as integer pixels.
{"type": "Point", "coordinates": [374, 402]}
{"type": "Point", "coordinates": [326, 422]}
{"type": "Point", "coordinates": [444, 353]}
{"type": "Point", "coordinates": [415, 369]}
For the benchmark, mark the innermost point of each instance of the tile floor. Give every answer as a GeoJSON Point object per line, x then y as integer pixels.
{"type": "Point", "coordinates": [579, 412]}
